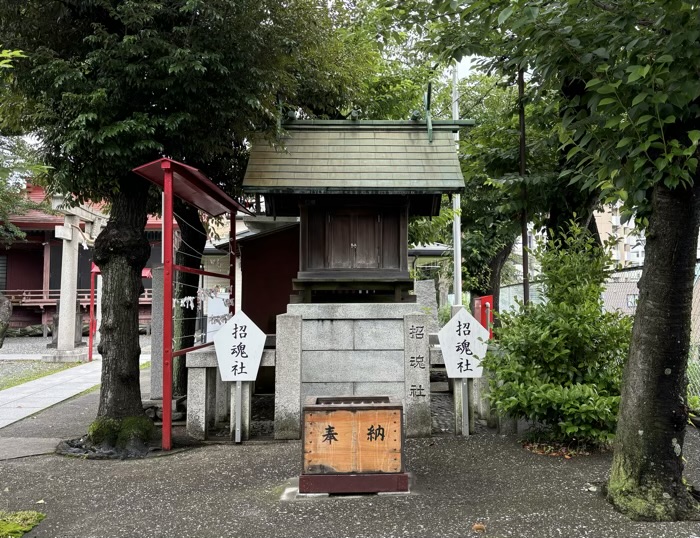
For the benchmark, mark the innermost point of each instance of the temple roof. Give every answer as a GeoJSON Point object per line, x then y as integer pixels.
{"type": "Point", "coordinates": [355, 157]}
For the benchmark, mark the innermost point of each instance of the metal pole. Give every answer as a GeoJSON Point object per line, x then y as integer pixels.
{"type": "Point", "coordinates": [167, 304]}
{"type": "Point", "coordinates": [523, 220]}
{"type": "Point", "coordinates": [456, 204]}
{"type": "Point", "coordinates": [489, 327]}
{"type": "Point", "coordinates": [465, 407]}
{"type": "Point", "coordinates": [239, 413]}
{"type": "Point", "coordinates": [91, 326]}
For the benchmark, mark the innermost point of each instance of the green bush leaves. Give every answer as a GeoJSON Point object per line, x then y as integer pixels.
{"type": "Point", "coordinates": [559, 364]}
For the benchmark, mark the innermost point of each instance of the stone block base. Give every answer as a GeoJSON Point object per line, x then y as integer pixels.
{"type": "Point", "coordinates": [69, 355]}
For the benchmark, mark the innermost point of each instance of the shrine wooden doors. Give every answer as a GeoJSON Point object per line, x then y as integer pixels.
{"type": "Point", "coordinates": [353, 239]}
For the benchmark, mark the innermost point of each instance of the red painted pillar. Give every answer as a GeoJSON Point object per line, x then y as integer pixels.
{"type": "Point", "coordinates": [167, 304]}
{"type": "Point", "coordinates": [232, 262]}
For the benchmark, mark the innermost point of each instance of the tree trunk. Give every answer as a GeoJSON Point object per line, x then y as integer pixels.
{"type": "Point", "coordinates": [189, 254]}
{"type": "Point", "coordinates": [121, 252]}
{"type": "Point", "coordinates": [496, 265]}
{"type": "Point", "coordinates": [572, 204]}
{"type": "Point", "coordinates": [646, 477]}
{"type": "Point", "coordinates": [5, 315]}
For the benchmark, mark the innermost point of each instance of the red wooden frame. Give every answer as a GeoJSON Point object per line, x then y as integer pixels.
{"type": "Point", "coordinates": [192, 186]}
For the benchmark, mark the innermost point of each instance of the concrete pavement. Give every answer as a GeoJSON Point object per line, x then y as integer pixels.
{"type": "Point", "coordinates": [17, 403]}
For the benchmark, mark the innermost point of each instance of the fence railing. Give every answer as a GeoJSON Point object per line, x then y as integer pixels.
{"type": "Point", "coordinates": [50, 297]}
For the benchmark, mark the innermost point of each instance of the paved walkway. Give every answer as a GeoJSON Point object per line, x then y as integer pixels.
{"type": "Point", "coordinates": [29, 398]}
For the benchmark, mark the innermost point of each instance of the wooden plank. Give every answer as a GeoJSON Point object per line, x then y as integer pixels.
{"type": "Point", "coordinates": [344, 441]}
{"type": "Point", "coordinates": [328, 442]}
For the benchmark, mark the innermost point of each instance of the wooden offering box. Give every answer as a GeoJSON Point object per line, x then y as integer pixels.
{"type": "Point", "coordinates": [353, 445]}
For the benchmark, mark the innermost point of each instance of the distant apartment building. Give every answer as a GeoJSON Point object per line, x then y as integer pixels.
{"type": "Point", "coordinates": [629, 251]}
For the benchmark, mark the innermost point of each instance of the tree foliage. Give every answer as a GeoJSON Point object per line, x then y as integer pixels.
{"type": "Point", "coordinates": [19, 162]}
{"type": "Point", "coordinates": [559, 363]}
{"type": "Point", "coordinates": [494, 198]}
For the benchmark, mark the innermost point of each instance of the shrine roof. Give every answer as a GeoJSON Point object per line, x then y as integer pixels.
{"type": "Point", "coordinates": [351, 157]}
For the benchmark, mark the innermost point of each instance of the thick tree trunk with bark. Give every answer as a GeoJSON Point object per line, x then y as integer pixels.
{"type": "Point", "coordinates": [646, 478]}
{"type": "Point", "coordinates": [189, 254]}
{"type": "Point", "coordinates": [121, 252]}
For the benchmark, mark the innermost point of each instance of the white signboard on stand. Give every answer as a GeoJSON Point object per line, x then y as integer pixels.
{"type": "Point", "coordinates": [239, 347]}
{"type": "Point", "coordinates": [463, 342]}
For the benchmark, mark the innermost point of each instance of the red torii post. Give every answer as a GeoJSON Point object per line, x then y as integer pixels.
{"type": "Point", "coordinates": [192, 186]}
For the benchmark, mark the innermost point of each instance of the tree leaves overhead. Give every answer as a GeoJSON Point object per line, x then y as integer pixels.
{"type": "Point", "coordinates": [19, 162]}
{"type": "Point", "coordinates": [116, 84]}
{"type": "Point", "coordinates": [631, 126]}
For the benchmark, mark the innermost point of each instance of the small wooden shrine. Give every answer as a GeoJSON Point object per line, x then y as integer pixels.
{"type": "Point", "coordinates": [354, 185]}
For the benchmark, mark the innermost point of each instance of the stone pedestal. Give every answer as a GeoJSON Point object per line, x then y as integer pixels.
{"type": "Point", "coordinates": [352, 350]}
{"type": "Point", "coordinates": [288, 377]}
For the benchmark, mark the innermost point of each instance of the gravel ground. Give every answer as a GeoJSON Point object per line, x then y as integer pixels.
{"type": "Point", "coordinates": [15, 372]}
{"type": "Point", "coordinates": [37, 345]}
{"type": "Point", "coordinates": [25, 344]}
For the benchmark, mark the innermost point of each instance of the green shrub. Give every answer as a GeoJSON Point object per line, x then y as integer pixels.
{"type": "Point", "coordinates": [559, 363]}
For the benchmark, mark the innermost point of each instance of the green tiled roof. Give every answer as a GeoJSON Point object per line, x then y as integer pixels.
{"type": "Point", "coordinates": [352, 157]}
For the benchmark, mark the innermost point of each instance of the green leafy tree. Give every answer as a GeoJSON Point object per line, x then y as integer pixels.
{"type": "Point", "coordinates": [494, 198]}
{"type": "Point", "coordinates": [624, 78]}
{"type": "Point", "coordinates": [349, 69]}
{"type": "Point", "coordinates": [559, 363]}
{"type": "Point", "coordinates": [19, 162]}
